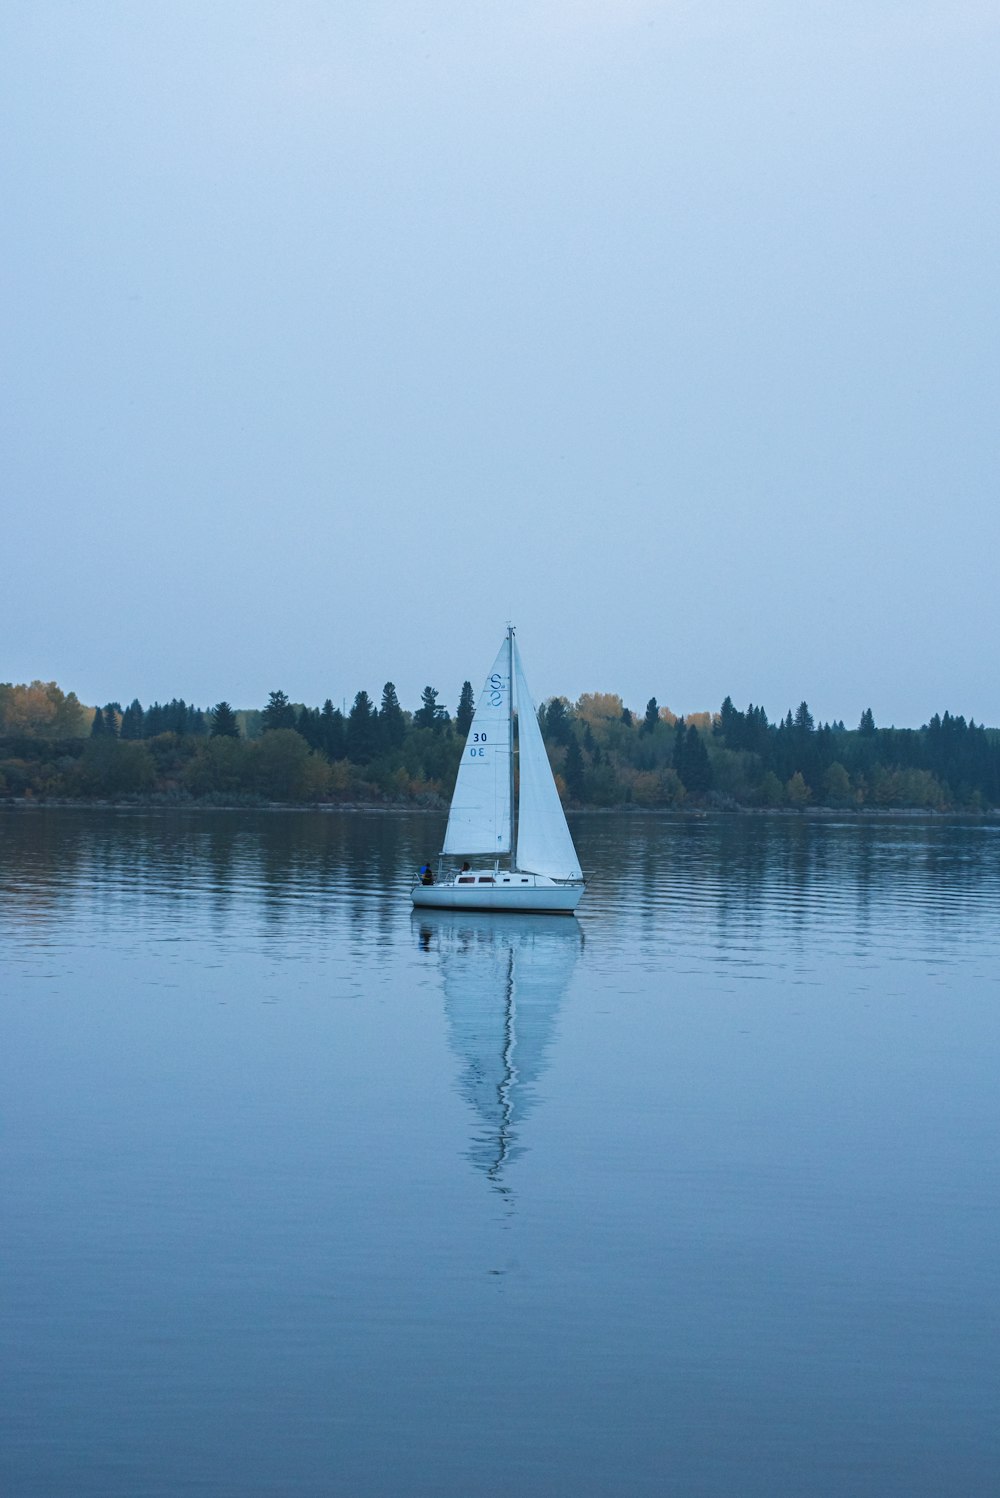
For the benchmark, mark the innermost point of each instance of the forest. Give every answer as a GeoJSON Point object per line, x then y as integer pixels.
{"type": "Point", "coordinates": [603, 754]}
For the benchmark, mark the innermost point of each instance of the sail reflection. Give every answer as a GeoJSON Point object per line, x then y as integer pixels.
{"type": "Point", "coordinates": [504, 979]}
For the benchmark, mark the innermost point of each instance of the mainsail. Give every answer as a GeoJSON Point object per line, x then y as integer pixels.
{"type": "Point", "coordinates": [480, 816]}
{"type": "Point", "coordinates": [544, 845]}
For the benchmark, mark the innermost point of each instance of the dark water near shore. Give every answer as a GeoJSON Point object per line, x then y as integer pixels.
{"type": "Point", "coordinates": [302, 1194]}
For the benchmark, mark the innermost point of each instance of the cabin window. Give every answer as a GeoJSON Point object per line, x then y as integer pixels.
{"type": "Point", "coordinates": [524, 881]}
{"type": "Point", "coordinates": [465, 879]}
{"type": "Point", "coordinates": [506, 881]}
{"type": "Point", "coordinates": [486, 879]}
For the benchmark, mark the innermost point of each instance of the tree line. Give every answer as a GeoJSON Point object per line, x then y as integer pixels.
{"type": "Point", "coordinates": [602, 753]}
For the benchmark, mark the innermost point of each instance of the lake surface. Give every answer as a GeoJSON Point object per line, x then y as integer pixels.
{"type": "Point", "coordinates": [303, 1194]}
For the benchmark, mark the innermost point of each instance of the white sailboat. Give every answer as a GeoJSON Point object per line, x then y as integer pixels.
{"type": "Point", "coordinates": [517, 823]}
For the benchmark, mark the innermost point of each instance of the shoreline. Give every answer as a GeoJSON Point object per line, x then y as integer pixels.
{"type": "Point", "coordinates": [366, 808]}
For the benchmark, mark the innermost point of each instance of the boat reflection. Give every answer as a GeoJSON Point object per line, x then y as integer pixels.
{"type": "Point", "coordinates": [504, 979]}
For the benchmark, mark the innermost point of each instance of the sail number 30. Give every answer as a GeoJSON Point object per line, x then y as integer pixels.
{"type": "Point", "coordinates": [478, 738]}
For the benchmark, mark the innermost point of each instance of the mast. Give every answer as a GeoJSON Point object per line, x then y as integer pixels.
{"type": "Point", "coordinates": [510, 678]}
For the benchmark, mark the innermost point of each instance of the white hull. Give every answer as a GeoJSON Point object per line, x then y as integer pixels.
{"type": "Point", "coordinates": [544, 897]}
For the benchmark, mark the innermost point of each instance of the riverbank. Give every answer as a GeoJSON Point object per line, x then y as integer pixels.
{"type": "Point", "coordinates": [374, 808]}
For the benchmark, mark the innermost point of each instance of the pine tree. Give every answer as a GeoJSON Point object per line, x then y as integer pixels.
{"type": "Point", "coordinates": [695, 768]}
{"type": "Point", "coordinates": [804, 719]}
{"type": "Point", "coordinates": [132, 721]}
{"type": "Point", "coordinates": [97, 727]}
{"type": "Point", "coordinates": [627, 717]}
{"type": "Point", "coordinates": [728, 724]}
{"type": "Point", "coordinates": [362, 727]}
{"type": "Point", "coordinates": [651, 717]}
{"type": "Point", "coordinates": [466, 710]}
{"type": "Point", "coordinates": [429, 714]}
{"type": "Point", "coordinates": [112, 718]}
{"type": "Point", "coordinates": [332, 731]}
{"type": "Point", "coordinates": [279, 712]}
{"type": "Point", "coordinates": [224, 724]}
{"type": "Point", "coordinates": [573, 772]}
{"type": "Point", "coordinates": [557, 722]}
{"type": "Point", "coordinates": [391, 723]}
{"type": "Point", "coordinates": [866, 727]}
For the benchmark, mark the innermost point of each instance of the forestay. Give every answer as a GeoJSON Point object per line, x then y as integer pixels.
{"type": "Point", "coordinates": [544, 845]}
{"type": "Point", "coordinates": [480, 817]}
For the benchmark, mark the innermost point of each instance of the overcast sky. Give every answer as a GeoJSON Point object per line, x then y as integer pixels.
{"type": "Point", "coordinates": [334, 335]}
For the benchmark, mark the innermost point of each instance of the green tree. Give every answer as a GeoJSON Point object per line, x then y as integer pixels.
{"type": "Point", "coordinates": [224, 725]}
{"type": "Point", "coordinates": [332, 731]}
{"type": "Point", "coordinates": [573, 773]}
{"type": "Point", "coordinates": [111, 768]}
{"type": "Point", "coordinates": [466, 710]}
{"type": "Point", "coordinates": [797, 793]}
{"type": "Point", "coordinates": [770, 791]}
{"type": "Point", "coordinates": [429, 714]}
{"type": "Point", "coordinates": [279, 713]}
{"type": "Point", "coordinates": [866, 728]}
{"type": "Point", "coordinates": [97, 727]}
{"type": "Point", "coordinates": [362, 730]}
{"type": "Point", "coordinates": [651, 717]}
{"type": "Point", "coordinates": [391, 722]}
{"type": "Point", "coordinates": [837, 785]}
{"type": "Point", "coordinates": [281, 759]}
{"type": "Point", "coordinates": [132, 721]}
{"type": "Point", "coordinates": [558, 725]}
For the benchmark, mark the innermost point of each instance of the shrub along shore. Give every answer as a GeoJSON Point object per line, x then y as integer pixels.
{"type": "Point", "coordinates": [604, 756]}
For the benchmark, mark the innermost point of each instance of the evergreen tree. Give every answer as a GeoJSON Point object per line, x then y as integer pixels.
{"type": "Point", "coordinates": [332, 731]}
{"type": "Point", "coordinates": [804, 719]}
{"type": "Point", "coordinates": [558, 727]}
{"type": "Point", "coordinates": [362, 729]}
{"type": "Point", "coordinates": [627, 716]}
{"type": "Point", "coordinates": [429, 714]}
{"type": "Point", "coordinates": [224, 725]}
{"type": "Point", "coordinates": [728, 724]}
{"type": "Point", "coordinates": [175, 716]}
{"type": "Point", "coordinates": [573, 772]}
{"type": "Point", "coordinates": [677, 753]}
{"type": "Point", "coordinates": [97, 727]}
{"type": "Point", "coordinates": [466, 710]}
{"type": "Point", "coordinates": [112, 719]}
{"type": "Point", "coordinates": [279, 712]}
{"type": "Point", "coordinates": [866, 727]}
{"type": "Point", "coordinates": [391, 723]}
{"type": "Point", "coordinates": [133, 726]}
{"type": "Point", "coordinates": [651, 717]}
{"type": "Point", "coordinates": [694, 769]}
{"type": "Point", "coordinates": [308, 725]}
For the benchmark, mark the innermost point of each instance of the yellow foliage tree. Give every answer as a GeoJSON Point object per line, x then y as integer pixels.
{"type": "Point", "coordinates": [797, 793]}
{"type": "Point", "coordinates": [598, 708]}
{"type": "Point", "coordinates": [40, 709]}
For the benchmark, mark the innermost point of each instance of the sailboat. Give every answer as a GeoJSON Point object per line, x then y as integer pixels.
{"type": "Point", "coordinates": [517, 821]}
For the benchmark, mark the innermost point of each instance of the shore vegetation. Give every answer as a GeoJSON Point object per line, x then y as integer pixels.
{"type": "Point", "coordinates": [603, 754]}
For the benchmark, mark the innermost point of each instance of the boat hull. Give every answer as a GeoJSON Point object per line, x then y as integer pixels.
{"type": "Point", "coordinates": [539, 899]}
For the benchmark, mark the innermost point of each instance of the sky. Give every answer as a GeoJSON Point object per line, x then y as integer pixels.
{"type": "Point", "coordinates": [336, 335]}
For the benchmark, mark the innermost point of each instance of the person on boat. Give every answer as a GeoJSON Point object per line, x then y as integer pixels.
{"type": "Point", "coordinates": [465, 868]}
{"type": "Point", "coordinates": [426, 874]}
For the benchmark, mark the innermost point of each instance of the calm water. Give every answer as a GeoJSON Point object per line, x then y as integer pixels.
{"type": "Point", "coordinates": [302, 1194]}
